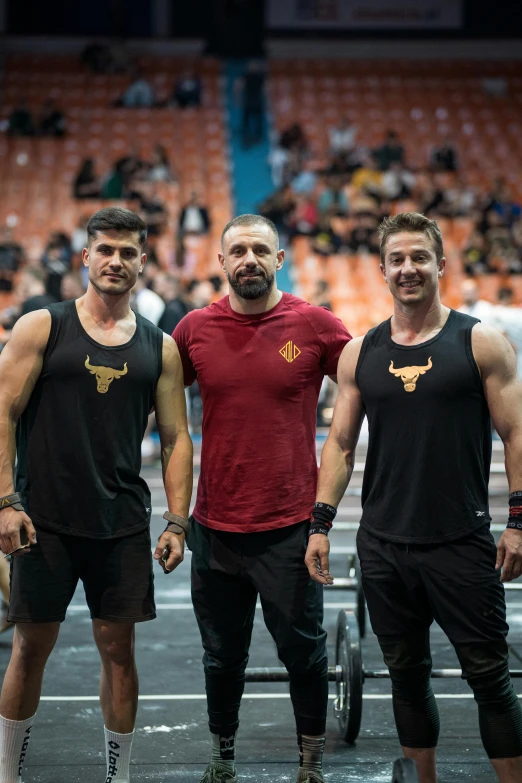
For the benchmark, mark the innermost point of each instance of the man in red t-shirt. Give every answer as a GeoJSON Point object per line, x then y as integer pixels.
{"type": "Point", "coordinates": [259, 356]}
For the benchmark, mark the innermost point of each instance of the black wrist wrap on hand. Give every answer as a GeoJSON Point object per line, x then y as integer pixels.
{"type": "Point", "coordinates": [515, 511]}
{"type": "Point", "coordinates": [322, 518]}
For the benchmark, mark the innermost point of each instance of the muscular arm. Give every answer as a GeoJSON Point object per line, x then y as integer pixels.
{"type": "Point", "coordinates": [339, 450]}
{"type": "Point", "coordinates": [176, 447]}
{"type": "Point", "coordinates": [497, 364]}
{"type": "Point", "coordinates": [338, 455]}
{"type": "Point", "coordinates": [20, 367]}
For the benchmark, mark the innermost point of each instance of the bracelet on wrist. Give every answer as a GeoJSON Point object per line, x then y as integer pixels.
{"type": "Point", "coordinates": [322, 518]}
{"type": "Point", "coordinates": [317, 527]}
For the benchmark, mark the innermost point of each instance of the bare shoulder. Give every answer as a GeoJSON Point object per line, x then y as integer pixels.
{"type": "Point", "coordinates": [491, 349]}
{"type": "Point", "coordinates": [169, 353]}
{"type": "Point", "coordinates": [31, 332]}
{"type": "Point", "coordinates": [349, 358]}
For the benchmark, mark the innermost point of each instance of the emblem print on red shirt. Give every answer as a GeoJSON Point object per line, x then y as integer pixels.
{"type": "Point", "coordinates": [290, 351]}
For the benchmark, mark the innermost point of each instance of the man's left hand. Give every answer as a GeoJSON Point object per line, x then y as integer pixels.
{"type": "Point", "coordinates": [509, 554]}
{"type": "Point", "coordinates": [170, 550]}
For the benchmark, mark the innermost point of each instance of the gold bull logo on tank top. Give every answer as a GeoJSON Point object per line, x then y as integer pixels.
{"type": "Point", "coordinates": [410, 375]}
{"type": "Point", "coordinates": [104, 375]}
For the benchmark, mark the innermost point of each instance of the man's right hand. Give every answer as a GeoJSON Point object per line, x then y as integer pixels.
{"type": "Point", "coordinates": [16, 531]}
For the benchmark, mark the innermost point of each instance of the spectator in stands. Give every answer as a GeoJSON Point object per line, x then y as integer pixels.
{"type": "Point", "coordinates": [79, 238]}
{"type": "Point", "coordinates": [321, 295]}
{"type": "Point", "coordinates": [342, 139]}
{"type": "Point", "coordinates": [139, 94]}
{"type": "Point", "coordinates": [508, 319]}
{"type": "Point", "coordinates": [87, 184]}
{"type": "Point", "coordinates": [152, 209]}
{"type": "Point", "coordinates": [500, 200]}
{"type": "Point", "coordinates": [363, 237]}
{"type": "Point", "coordinates": [306, 180]}
{"type": "Point", "coordinates": [33, 289]}
{"type": "Point", "coordinates": [194, 217]}
{"type": "Point", "coordinates": [11, 259]}
{"type": "Point", "coordinates": [187, 91]}
{"type": "Point", "coordinates": [20, 122]}
{"type": "Point", "coordinates": [160, 169]}
{"type": "Point", "coordinates": [294, 140]}
{"type": "Point", "coordinates": [333, 199]}
{"type": "Point", "coordinates": [72, 286]}
{"type": "Point", "coordinates": [97, 57]}
{"type": "Point", "coordinates": [444, 157]}
{"type": "Point", "coordinates": [472, 305]}
{"type": "Point", "coordinates": [52, 120]}
{"type": "Point", "coordinates": [368, 178]}
{"type": "Point", "coordinates": [391, 151]}
{"type": "Point", "coordinates": [459, 200]}
{"type": "Point", "coordinates": [326, 241]}
{"type": "Point", "coordinates": [56, 261]}
{"type": "Point", "coordinates": [278, 208]}
{"type": "Point", "coordinates": [250, 89]}
{"type": "Point", "coordinates": [397, 182]}
{"type": "Point", "coordinates": [201, 293]}
{"type": "Point", "coordinates": [168, 287]}
{"type": "Point", "coordinates": [146, 302]}
{"type": "Point", "coordinates": [475, 255]}
{"type": "Point", "coordinates": [304, 219]}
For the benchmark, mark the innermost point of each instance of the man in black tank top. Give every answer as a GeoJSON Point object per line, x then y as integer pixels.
{"type": "Point", "coordinates": [428, 380]}
{"type": "Point", "coordinates": [77, 383]}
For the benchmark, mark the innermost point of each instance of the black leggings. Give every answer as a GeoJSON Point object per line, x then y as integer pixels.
{"type": "Point", "coordinates": [456, 584]}
{"type": "Point", "coordinates": [229, 571]}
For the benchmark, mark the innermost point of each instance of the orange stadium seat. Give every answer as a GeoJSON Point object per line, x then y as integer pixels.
{"type": "Point", "coordinates": [38, 173]}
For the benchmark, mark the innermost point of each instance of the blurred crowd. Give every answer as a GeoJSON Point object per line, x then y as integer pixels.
{"type": "Point", "coordinates": [338, 202]}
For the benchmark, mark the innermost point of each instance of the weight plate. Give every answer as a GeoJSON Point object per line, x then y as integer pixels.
{"type": "Point", "coordinates": [349, 684]}
{"type": "Point", "coordinates": [360, 600]}
{"type": "Point", "coordinates": [405, 771]}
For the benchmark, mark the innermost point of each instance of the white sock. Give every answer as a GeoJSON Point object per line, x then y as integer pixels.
{"type": "Point", "coordinates": [14, 739]}
{"type": "Point", "coordinates": [118, 751]}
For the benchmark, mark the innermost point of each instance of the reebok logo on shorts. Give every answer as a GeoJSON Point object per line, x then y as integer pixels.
{"type": "Point", "coordinates": [290, 352]}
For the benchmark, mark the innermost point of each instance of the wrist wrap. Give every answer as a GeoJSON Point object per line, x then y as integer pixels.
{"type": "Point", "coordinates": [515, 511]}
{"type": "Point", "coordinates": [176, 524]}
{"type": "Point", "coordinates": [13, 500]}
{"type": "Point", "coordinates": [322, 518]}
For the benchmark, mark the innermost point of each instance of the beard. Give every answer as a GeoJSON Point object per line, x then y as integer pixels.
{"type": "Point", "coordinates": [251, 288]}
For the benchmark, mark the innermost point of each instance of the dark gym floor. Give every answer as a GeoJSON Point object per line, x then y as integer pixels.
{"type": "Point", "coordinates": [172, 740]}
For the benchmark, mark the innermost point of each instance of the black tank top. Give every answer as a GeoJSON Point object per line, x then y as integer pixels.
{"type": "Point", "coordinates": [429, 451]}
{"type": "Point", "coordinates": [79, 439]}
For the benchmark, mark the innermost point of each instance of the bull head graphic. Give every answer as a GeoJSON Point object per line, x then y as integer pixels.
{"type": "Point", "coordinates": [104, 375]}
{"type": "Point", "coordinates": [410, 375]}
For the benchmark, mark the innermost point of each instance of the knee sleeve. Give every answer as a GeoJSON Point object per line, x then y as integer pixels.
{"type": "Point", "coordinates": [485, 666]}
{"type": "Point", "coordinates": [414, 706]}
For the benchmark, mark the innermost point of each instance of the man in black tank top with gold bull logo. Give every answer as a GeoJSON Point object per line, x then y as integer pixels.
{"type": "Point", "coordinates": [428, 379]}
{"type": "Point", "coordinates": [77, 383]}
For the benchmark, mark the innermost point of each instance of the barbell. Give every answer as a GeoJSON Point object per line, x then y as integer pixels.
{"type": "Point", "coordinates": [351, 674]}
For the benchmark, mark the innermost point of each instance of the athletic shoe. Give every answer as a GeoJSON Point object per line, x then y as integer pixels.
{"type": "Point", "coordinates": [217, 773]}
{"type": "Point", "coordinates": [313, 777]}
{"type": "Point", "coordinates": [4, 623]}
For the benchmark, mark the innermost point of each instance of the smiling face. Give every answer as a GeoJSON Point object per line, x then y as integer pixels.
{"type": "Point", "coordinates": [411, 268]}
{"type": "Point", "coordinates": [114, 259]}
{"type": "Point", "coordinates": [250, 260]}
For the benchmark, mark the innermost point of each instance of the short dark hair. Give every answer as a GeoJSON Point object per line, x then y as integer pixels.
{"type": "Point", "coordinates": [116, 219]}
{"type": "Point", "coordinates": [250, 220]}
{"type": "Point", "coordinates": [413, 222]}
{"type": "Point", "coordinates": [505, 293]}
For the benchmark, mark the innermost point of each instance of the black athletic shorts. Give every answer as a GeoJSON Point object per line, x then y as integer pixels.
{"type": "Point", "coordinates": [116, 574]}
{"type": "Point", "coordinates": [407, 586]}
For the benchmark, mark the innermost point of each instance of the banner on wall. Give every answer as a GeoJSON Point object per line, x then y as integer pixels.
{"type": "Point", "coordinates": [364, 14]}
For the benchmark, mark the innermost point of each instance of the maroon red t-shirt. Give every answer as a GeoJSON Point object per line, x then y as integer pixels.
{"type": "Point", "coordinates": [260, 377]}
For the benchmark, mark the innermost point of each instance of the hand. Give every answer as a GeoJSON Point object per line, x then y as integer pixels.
{"type": "Point", "coordinates": [509, 554]}
{"type": "Point", "coordinates": [170, 551]}
{"type": "Point", "coordinates": [15, 526]}
{"type": "Point", "coordinates": [317, 559]}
